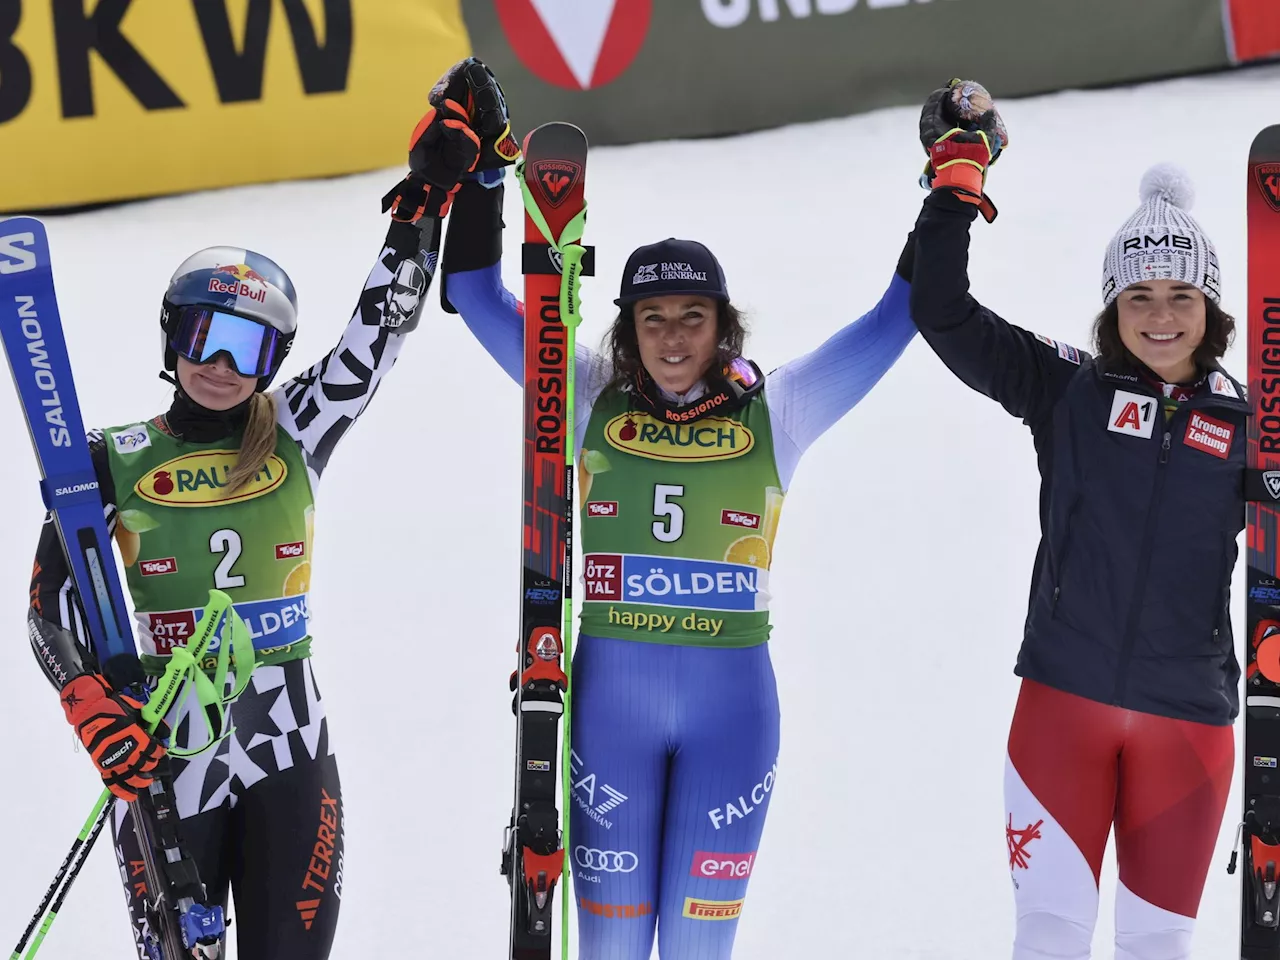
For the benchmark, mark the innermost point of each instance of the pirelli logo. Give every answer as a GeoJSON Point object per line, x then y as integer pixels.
{"type": "Point", "coordinates": [712, 909]}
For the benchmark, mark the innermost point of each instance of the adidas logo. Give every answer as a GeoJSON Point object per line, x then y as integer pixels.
{"type": "Point", "coordinates": [307, 910]}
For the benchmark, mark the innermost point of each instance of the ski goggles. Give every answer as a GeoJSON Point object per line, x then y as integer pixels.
{"type": "Point", "coordinates": [201, 333]}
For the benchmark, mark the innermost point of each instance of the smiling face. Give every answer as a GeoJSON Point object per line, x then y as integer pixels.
{"type": "Point", "coordinates": [677, 337]}
{"type": "Point", "coordinates": [214, 385]}
{"type": "Point", "coordinates": [1162, 323]}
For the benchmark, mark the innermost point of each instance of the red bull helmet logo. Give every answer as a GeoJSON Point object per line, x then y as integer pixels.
{"type": "Point", "coordinates": [241, 280]}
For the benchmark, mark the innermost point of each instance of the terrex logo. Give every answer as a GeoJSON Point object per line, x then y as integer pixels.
{"type": "Point", "coordinates": [575, 45]}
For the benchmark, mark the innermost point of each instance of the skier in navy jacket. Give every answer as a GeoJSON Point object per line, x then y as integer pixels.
{"type": "Point", "coordinates": [1129, 674]}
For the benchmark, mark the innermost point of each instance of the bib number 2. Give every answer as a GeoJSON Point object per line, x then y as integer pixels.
{"type": "Point", "coordinates": [226, 542]}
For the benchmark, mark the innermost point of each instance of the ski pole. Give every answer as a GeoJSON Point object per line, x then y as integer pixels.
{"type": "Point", "coordinates": [570, 282]}
{"type": "Point", "coordinates": [182, 670]}
{"type": "Point", "coordinates": [82, 845]}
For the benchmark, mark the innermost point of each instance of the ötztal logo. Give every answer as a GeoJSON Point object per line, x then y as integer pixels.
{"type": "Point", "coordinates": [574, 45]}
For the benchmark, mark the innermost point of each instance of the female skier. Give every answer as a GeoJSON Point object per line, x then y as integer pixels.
{"type": "Point", "coordinates": [675, 720]}
{"type": "Point", "coordinates": [261, 813]}
{"type": "Point", "coordinates": [1129, 672]}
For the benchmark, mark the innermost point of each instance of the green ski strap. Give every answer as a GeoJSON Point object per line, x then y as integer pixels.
{"type": "Point", "coordinates": [183, 672]}
{"type": "Point", "coordinates": [571, 251]}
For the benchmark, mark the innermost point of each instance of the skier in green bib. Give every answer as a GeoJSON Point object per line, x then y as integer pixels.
{"type": "Point", "coordinates": [685, 452]}
{"type": "Point", "coordinates": [218, 492]}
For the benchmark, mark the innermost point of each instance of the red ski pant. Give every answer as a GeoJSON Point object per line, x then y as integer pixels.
{"type": "Point", "coordinates": [1074, 768]}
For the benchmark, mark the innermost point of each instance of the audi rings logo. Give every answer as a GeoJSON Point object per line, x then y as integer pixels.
{"type": "Point", "coordinates": [606, 861]}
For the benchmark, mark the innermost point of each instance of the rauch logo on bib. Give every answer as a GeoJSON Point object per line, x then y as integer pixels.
{"type": "Point", "coordinates": [711, 438]}
{"type": "Point", "coordinates": [200, 480]}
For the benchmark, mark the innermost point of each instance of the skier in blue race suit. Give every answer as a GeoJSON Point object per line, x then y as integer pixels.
{"type": "Point", "coordinates": [675, 722]}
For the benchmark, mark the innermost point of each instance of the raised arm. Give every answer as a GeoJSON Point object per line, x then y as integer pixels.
{"type": "Point", "coordinates": [963, 135]}
{"type": "Point", "coordinates": [471, 283]}
{"type": "Point", "coordinates": [449, 142]}
{"type": "Point", "coordinates": [1024, 372]}
{"type": "Point", "coordinates": [317, 407]}
{"type": "Point", "coordinates": [810, 393]}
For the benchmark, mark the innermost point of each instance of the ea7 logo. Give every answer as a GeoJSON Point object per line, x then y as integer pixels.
{"type": "Point", "coordinates": [1132, 413]}
{"type": "Point", "coordinates": [19, 260]}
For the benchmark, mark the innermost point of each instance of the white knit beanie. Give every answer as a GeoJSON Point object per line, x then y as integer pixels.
{"type": "Point", "coordinates": [1161, 241]}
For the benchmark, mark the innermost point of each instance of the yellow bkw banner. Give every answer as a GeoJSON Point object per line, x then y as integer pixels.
{"type": "Point", "coordinates": [115, 99]}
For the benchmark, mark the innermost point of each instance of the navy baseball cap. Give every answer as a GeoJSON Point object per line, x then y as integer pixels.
{"type": "Point", "coordinates": [672, 267]}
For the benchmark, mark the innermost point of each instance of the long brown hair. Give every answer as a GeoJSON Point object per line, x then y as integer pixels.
{"type": "Point", "coordinates": [259, 441]}
{"type": "Point", "coordinates": [623, 348]}
{"type": "Point", "coordinates": [1219, 331]}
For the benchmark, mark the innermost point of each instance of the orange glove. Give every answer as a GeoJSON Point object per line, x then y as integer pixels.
{"type": "Point", "coordinates": [111, 728]}
{"type": "Point", "coordinates": [963, 134]}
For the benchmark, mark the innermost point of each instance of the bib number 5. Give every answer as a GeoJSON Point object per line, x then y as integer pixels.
{"type": "Point", "coordinates": [669, 529]}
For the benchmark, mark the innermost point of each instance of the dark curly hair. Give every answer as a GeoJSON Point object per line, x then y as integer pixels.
{"type": "Point", "coordinates": [1219, 331]}
{"type": "Point", "coordinates": [623, 348]}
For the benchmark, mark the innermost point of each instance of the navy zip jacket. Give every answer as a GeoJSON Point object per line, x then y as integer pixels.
{"type": "Point", "coordinates": [1139, 513]}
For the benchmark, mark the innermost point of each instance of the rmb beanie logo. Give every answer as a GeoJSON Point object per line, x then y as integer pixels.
{"type": "Point", "coordinates": [1161, 241]}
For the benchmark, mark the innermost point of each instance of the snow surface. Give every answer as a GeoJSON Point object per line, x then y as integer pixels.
{"type": "Point", "coordinates": [902, 568]}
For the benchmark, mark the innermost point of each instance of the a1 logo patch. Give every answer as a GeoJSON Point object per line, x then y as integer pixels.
{"type": "Point", "coordinates": [1133, 413]}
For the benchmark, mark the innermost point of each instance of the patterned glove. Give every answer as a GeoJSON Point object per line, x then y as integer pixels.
{"type": "Point", "coordinates": [110, 726]}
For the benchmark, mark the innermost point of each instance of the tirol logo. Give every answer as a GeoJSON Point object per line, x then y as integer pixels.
{"type": "Point", "coordinates": [291, 551]}
{"type": "Point", "coordinates": [157, 568]}
{"type": "Point", "coordinates": [711, 438]}
{"type": "Point", "coordinates": [200, 480]}
{"type": "Point", "coordinates": [575, 45]}
{"type": "Point", "coordinates": [556, 179]}
{"type": "Point", "coordinates": [602, 508]}
{"type": "Point", "coordinates": [1268, 176]}
{"type": "Point", "coordinates": [735, 518]}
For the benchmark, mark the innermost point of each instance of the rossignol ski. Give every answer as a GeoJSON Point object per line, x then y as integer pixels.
{"type": "Point", "coordinates": [179, 923]}
{"type": "Point", "coordinates": [551, 178]}
{"type": "Point", "coordinates": [1260, 827]}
